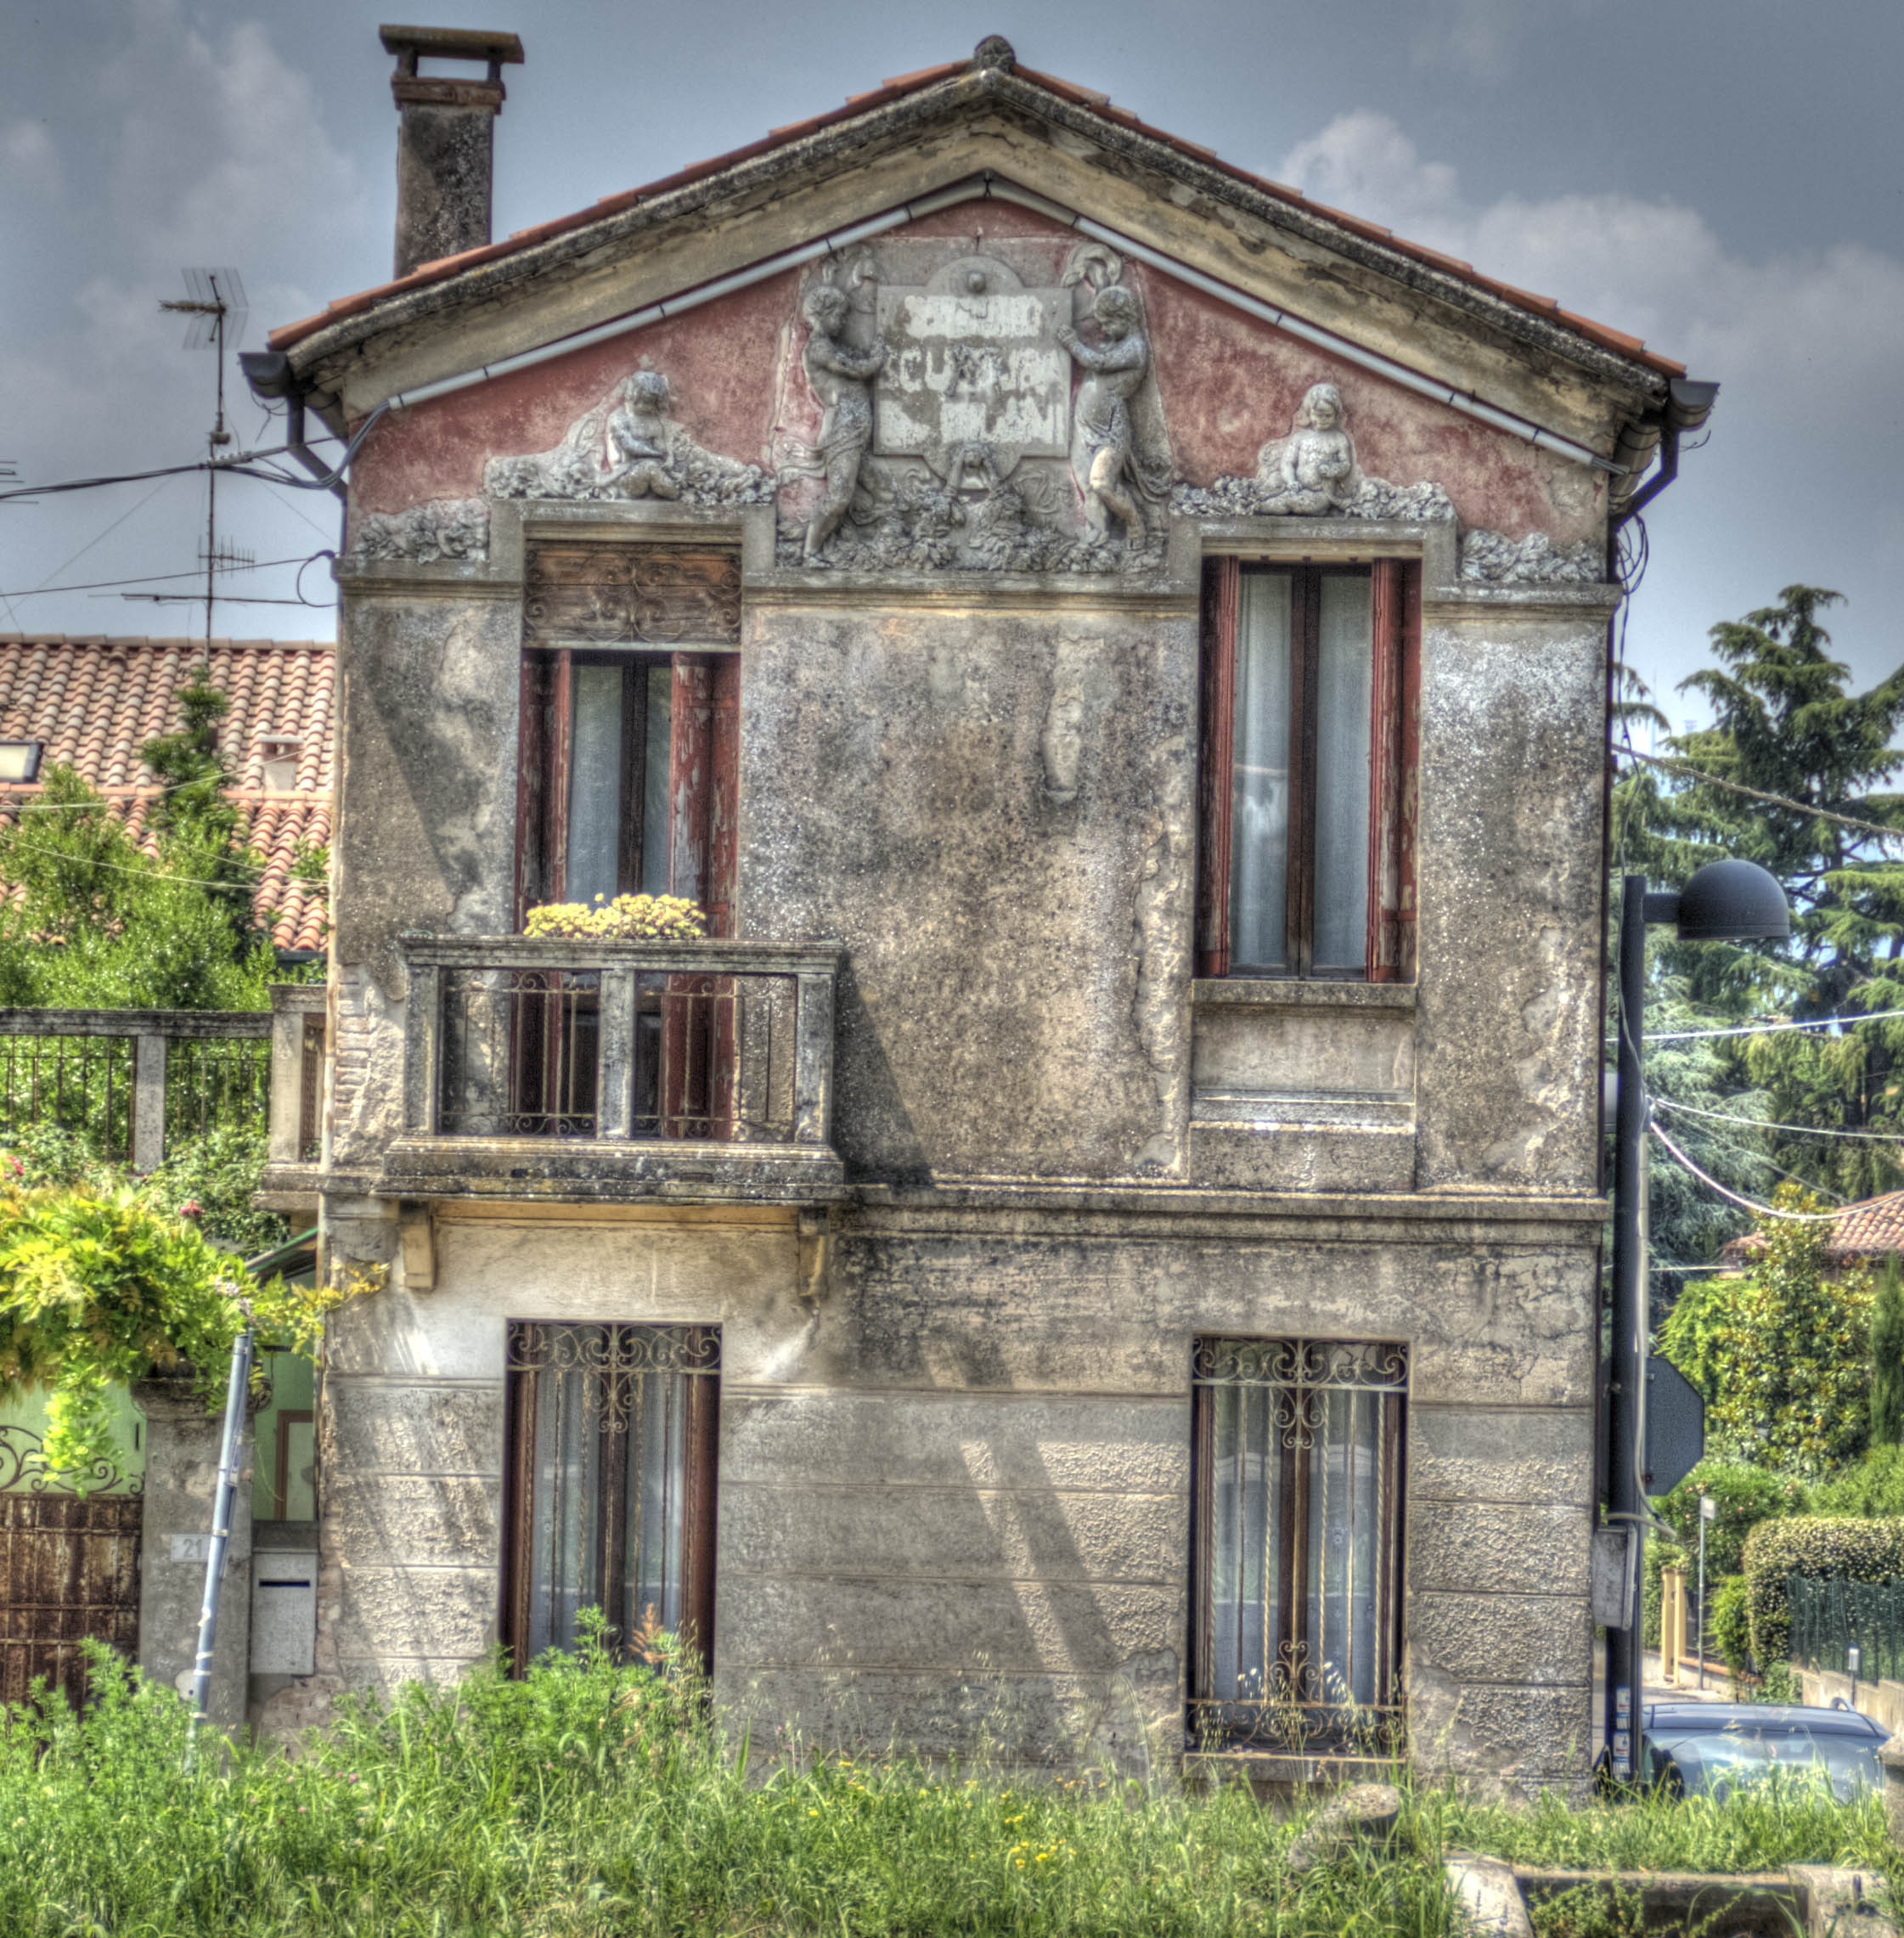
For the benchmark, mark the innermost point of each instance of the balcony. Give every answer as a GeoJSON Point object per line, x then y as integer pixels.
{"type": "Point", "coordinates": [571, 1070]}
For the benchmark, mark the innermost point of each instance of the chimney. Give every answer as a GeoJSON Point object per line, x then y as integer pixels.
{"type": "Point", "coordinates": [445, 147]}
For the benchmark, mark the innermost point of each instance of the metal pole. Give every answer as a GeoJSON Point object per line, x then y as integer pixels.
{"type": "Point", "coordinates": [236, 1395]}
{"type": "Point", "coordinates": [1702, 1594]}
{"type": "Point", "coordinates": [1627, 1360]}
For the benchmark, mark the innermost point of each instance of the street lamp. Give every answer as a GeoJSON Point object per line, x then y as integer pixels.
{"type": "Point", "coordinates": [1731, 901]}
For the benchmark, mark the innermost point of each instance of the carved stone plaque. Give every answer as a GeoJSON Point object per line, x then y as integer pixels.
{"type": "Point", "coordinates": [631, 595]}
{"type": "Point", "coordinates": [974, 359]}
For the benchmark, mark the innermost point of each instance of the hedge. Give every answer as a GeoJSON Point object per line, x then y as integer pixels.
{"type": "Point", "coordinates": [1818, 1546]}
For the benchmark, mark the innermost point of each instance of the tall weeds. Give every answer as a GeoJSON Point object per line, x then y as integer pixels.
{"type": "Point", "coordinates": [590, 1799]}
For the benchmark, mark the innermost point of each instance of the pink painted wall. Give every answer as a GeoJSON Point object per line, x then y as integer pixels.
{"type": "Point", "coordinates": [1229, 383]}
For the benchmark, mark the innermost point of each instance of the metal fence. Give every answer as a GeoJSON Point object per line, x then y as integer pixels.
{"type": "Point", "coordinates": [1829, 1616]}
{"type": "Point", "coordinates": [129, 1082]}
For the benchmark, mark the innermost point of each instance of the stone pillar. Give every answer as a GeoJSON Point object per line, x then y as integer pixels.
{"type": "Point", "coordinates": [445, 151]}
{"type": "Point", "coordinates": [182, 1447]}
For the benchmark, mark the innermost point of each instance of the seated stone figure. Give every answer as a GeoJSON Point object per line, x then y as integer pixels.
{"type": "Point", "coordinates": [637, 440]}
{"type": "Point", "coordinates": [1312, 471]}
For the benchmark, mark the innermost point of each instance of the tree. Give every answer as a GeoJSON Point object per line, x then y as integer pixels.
{"type": "Point", "coordinates": [97, 922]}
{"type": "Point", "coordinates": [1887, 1358]}
{"type": "Point", "coordinates": [1786, 723]}
{"type": "Point", "coordinates": [1781, 1353]}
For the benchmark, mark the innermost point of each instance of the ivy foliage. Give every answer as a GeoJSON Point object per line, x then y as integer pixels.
{"type": "Point", "coordinates": [99, 1287]}
{"type": "Point", "coordinates": [1887, 1358]}
{"type": "Point", "coordinates": [1781, 1355]}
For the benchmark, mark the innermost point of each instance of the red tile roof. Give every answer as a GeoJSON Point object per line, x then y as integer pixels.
{"type": "Point", "coordinates": [1086, 98]}
{"type": "Point", "coordinates": [1872, 1228]}
{"type": "Point", "coordinates": [95, 702]}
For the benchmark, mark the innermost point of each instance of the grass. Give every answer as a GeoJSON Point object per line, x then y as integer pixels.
{"type": "Point", "coordinates": [589, 1800]}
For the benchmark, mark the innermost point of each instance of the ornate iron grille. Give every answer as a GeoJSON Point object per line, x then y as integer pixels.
{"type": "Point", "coordinates": [23, 1469]}
{"type": "Point", "coordinates": [612, 1434]}
{"type": "Point", "coordinates": [1297, 1544]}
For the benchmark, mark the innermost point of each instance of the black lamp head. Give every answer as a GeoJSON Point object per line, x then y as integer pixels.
{"type": "Point", "coordinates": [1732, 901]}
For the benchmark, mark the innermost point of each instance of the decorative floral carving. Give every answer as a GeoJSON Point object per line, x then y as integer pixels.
{"type": "Point", "coordinates": [1534, 560]}
{"type": "Point", "coordinates": [447, 528]}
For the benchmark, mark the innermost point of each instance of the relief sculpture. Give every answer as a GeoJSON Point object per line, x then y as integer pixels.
{"type": "Point", "coordinates": [950, 435]}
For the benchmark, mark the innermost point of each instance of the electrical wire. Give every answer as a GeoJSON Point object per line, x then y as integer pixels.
{"type": "Point", "coordinates": [1674, 765]}
{"type": "Point", "coordinates": [1791, 1129]}
{"type": "Point", "coordinates": [148, 578]}
{"type": "Point", "coordinates": [1773, 1029]}
{"type": "Point", "coordinates": [1746, 1203]}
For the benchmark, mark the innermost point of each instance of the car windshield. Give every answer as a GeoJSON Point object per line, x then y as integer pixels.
{"type": "Point", "coordinates": [1720, 1762]}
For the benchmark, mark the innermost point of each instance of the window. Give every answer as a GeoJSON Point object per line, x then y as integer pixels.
{"type": "Point", "coordinates": [1296, 1543]}
{"type": "Point", "coordinates": [1309, 674]}
{"type": "Point", "coordinates": [628, 777]}
{"type": "Point", "coordinates": [612, 1431]}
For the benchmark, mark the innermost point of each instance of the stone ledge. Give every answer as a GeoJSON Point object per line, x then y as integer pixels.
{"type": "Point", "coordinates": [595, 1169]}
{"type": "Point", "coordinates": [1279, 993]}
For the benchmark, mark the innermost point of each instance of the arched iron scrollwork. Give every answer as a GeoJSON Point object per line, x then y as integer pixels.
{"type": "Point", "coordinates": [615, 1355]}
{"type": "Point", "coordinates": [1302, 1365]}
{"type": "Point", "coordinates": [22, 1470]}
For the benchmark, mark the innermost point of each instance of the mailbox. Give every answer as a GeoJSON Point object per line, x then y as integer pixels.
{"type": "Point", "coordinates": [283, 1611]}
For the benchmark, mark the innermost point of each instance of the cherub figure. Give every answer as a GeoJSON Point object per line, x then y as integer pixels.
{"type": "Point", "coordinates": [1313, 469]}
{"type": "Point", "coordinates": [842, 379]}
{"type": "Point", "coordinates": [1102, 456]}
{"type": "Point", "coordinates": [638, 442]}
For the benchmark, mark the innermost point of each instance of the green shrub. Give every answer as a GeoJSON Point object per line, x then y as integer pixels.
{"type": "Point", "coordinates": [1887, 1358]}
{"type": "Point", "coordinates": [212, 1180]}
{"type": "Point", "coordinates": [1732, 1624]}
{"type": "Point", "coordinates": [1742, 1495]}
{"type": "Point", "coordinates": [1782, 1356]}
{"type": "Point", "coordinates": [1871, 1491]}
{"type": "Point", "coordinates": [1818, 1545]}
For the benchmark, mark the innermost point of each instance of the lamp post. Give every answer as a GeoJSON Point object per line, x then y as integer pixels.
{"type": "Point", "coordinates": [1729, 901]}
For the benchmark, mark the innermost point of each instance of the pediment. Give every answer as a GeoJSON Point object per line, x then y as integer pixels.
{"type": "Point", "coordinates": [983, 136]}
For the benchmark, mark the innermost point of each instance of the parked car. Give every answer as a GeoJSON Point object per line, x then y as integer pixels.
{"type": "Point", "coordinates": [1712, 1748]}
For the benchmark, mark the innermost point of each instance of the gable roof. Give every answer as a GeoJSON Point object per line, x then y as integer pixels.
{"type": "Point", "coordinates": [94, 702]}
{"type": "Point", "coordinates": [992, 74]}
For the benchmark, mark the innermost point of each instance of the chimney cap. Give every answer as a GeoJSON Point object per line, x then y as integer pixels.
{"type": "Point", "coordinates": [452, 44]}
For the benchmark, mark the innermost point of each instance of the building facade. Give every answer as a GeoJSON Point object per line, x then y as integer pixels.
{"type": "Point", "coordinates": [1097, 1254]}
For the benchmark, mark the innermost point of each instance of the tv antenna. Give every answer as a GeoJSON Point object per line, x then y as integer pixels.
{"type": "Point", "coordinates": [214, 300]}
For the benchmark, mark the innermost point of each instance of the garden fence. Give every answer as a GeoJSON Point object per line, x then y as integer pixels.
{"type": "Point", "coordinates": [1828, 1616]}
{"type": "Point", "coordinates": [128, 1082]}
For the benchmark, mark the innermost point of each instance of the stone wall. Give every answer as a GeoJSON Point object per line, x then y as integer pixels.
{"type": "Point", "coordinates": [954, 1489]}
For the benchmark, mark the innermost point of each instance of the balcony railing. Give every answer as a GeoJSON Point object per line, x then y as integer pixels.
{"type": "Point", "coordinates": [640, 1049]}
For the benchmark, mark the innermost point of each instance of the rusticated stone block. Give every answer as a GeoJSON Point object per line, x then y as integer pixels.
{"type": "Point", "coordinates": [1460, 1544]}
{"type": "Point", "coordinates": [1543, 1454]}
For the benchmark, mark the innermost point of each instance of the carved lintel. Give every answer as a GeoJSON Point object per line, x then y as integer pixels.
{"type": "Point", "coordinates": [631, 595]}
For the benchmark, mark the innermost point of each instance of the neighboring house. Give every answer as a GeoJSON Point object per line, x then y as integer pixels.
{"type": "Point", "coordinates": [1100, 1252]}
{"type": "Point", "coordinates": [1866, 1233]}
{"type": "Point", "coordinates": [91, 704]}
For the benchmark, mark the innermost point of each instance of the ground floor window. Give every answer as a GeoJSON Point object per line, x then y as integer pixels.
{"type": "Point", "coordinates": [1296, 1543]}
{"type": "Point", "coordinates": [612, 1431]}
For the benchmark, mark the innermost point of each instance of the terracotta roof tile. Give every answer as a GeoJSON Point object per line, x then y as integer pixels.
{"type": "Point", "coordinates": [94, 702]}
{"type": "Point", "coordinates": [1872, 1228]}
{"type": "Point", "coordinates": [291, 333]}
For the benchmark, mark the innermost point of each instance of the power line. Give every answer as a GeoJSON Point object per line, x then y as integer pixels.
{"type": "Point", "coordinates": [1770, 1028]}
{"type": "Point", "coordinates": [1745, 1203]}
{"type": "Point", "coordinates": [1794, 1129]}
{"type": "Point", "coordinates": [143, 579]}
{"type": "Point", "coordinates": [1673, 765]}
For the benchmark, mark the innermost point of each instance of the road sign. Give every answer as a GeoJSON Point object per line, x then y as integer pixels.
{"type": "Point", "coordinates": [1709, 1508]}
{"type": "Point", "coordinates": [1675, 1426]}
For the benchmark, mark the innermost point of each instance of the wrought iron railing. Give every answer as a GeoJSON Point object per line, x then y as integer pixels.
{"type": "Point", "coordinates": [1830, 1616]}
{"type": "Point", "coordinates": [129, 1081]}
{"type": "Point", "coordinates": [23, 1469]}
{"type": "Point", "coordinates": [725, 1042]}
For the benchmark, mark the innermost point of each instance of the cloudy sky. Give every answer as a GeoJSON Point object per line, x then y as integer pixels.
{"type": "Point", "coordinates": [1720, 177]}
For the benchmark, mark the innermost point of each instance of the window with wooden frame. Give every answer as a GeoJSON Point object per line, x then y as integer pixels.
{"type": "Point", "coordinates": [1309, 703]}
{"type": "Point", "coordinates": [609, 1485]}
{"type": "Point", "coordinates": [630, 726]}
{"type": "Point", "coordinates": [1296, 1549]}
